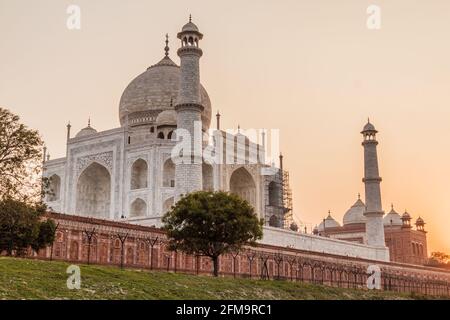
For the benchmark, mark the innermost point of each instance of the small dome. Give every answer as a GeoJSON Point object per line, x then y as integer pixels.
{"type": "Point", "coordinates": [293, 226]}
{"type": "Point", "coordinates": [190, 27]}
{"type": "Point", "coordinates": [369, 127]}
{"type": "Point", "coordinates": [406, 216]}
{"type": "Point", "coordinates": [355, 214]}
{"type": "Point", "coordinates": [86, 132]}
{"type": "Point", "coordinates": [392, 218]}
{"type": "Point", "coordinates": [316, 230]}
{"type": "Point", "coordinates": [167, 118]}
{"type": "Point", "coordinates": [330, 222]}
{"type": "Point", "coordinates": [420, 221]}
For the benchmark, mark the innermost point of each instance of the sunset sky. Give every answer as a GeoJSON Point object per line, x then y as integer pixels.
{"type": "Point", "coordinates": [309, 68]}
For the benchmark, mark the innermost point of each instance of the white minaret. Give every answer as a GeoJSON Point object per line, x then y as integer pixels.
{"type": "Point", "coordinates": [188, 172]}
{"type": "Point", "coordinates": [374, 211]}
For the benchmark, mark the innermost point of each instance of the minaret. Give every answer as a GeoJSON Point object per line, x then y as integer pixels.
{"type": "Point", "coordinates": [218, 120]}
{"type": "Point", "coordinates": [188, 172]}
{"type": "Point", "coordinates": [68, 130]}
{"type": "Point", "coordinates": [374, 211]}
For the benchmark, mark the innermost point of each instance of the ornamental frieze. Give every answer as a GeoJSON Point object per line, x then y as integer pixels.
{"type": "Point", "coordinates": [104, 158]}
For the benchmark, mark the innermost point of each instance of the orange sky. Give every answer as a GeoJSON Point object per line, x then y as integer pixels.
{"type": "Point", "coordinates": [310, 68]}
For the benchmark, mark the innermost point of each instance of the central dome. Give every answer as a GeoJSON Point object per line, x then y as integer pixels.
{"type": "Point", "coordinates": [154, 91]}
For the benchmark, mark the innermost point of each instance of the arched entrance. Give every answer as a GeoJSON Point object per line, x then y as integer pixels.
{"type": "Point", "coordinates": [139, 171]}
{"type": "Point", "coordinates": [167, 205]}
{"type": "Point", "coordinates": [94, 191]}
{"type": "Point", "coordinates": [169, 174]}
{"type": "Point", "coordinates": [274, 194]}
{"type": "Point", "coordinates": [54, 188]}
{"type": "Point", "coordinates": [207, 173]}
{"type": "Point", "coordinates": [138, 208]}
{"type": "Point", "coordinates": [242, 184]}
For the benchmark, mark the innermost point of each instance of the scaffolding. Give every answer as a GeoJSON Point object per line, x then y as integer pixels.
{"type": "Point", "coordinates": [287, 200]}
{"type": "Point", "coordinates": [279, 202]}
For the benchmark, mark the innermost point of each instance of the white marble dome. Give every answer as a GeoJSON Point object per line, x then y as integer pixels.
{"type": "Point", "coordinates": [156, 90]}
{"type": "Point", "coordinates": [190, 27]}
{"type": "Point", "coordinates": [88, 131]}
{"type": "Point", "coordinates": [330, 222]}
{"type": "Point", "coordinates": [369, 127]}
{"type": "Point", "coordinates": [355, 214]}
{"type": "Point", "coordinates": [392, 217]}
{"type": "Point", "coordinates": [167, 118]}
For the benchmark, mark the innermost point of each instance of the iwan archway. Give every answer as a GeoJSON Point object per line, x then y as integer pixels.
{"type": "Point", "coordinates": [94, 192]}
{"type": "Point", "coordinates": [242, 184]}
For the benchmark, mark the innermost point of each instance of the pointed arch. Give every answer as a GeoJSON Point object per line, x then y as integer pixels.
{"type": "Point", "coordinates": [139, 173]}
{"type": "Point", "coordinates": [274, 221]}
{"type": "Point", "coordinates": [54, 188]}
{"type": "Point", "coordinates": [74, 249]}
{"type": "Point", "coordinates": [207, 174]}
{"type": "Point", "coordinates": [274, 194]}
{"type": "Point", "coordinates": [168, 204]}
{"type": "Point", "coordinates": [169, 174]}
{"type": "Point", "coordinates": [242, 184]}
{"type": "Point", "coordinates": [138, 208]}
{"type": "Point", "coordinates": [93, 196]}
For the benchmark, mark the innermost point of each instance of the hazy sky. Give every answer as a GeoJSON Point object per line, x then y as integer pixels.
{"type": "Point", "coordinates": [310, 68]}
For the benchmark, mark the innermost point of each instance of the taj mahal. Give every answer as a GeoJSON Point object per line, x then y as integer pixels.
{"type": "Point", "coordinates": [132, 174]}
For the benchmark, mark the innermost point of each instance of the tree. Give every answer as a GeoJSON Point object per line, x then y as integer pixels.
{"type": "Point", "coordinates": [22, 227]}
{"type": "Point", "coordinates": [439, 259]}
{"type": "Point", "coordinates": [20, 159]}
{"type": "Point", "coordinates": [46, 235]}
{"type": "Point", "coordinates": [211, 224]}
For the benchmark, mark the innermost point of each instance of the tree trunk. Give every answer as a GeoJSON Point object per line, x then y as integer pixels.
{"type": "Point", "coordinates": [215, 266]}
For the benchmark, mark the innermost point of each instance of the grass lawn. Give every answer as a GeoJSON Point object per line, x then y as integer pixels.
{"type": "Point", "coordinates": [34, 279]}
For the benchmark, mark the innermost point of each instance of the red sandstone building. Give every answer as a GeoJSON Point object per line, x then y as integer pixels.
{"type": "Point", "coordinates": [406, 244]}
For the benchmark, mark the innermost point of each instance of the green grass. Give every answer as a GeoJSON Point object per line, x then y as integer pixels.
{"type": "Point", "coordinates": [33, 279]}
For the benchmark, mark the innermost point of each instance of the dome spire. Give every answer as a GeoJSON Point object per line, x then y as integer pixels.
{"type": "Point", "coordinates": [166, 48]}
{"type": "Point", "coordinates": [190, 18]}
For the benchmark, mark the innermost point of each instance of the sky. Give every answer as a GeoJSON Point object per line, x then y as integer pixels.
{"type": "Point", "coordinates": [312, 69]}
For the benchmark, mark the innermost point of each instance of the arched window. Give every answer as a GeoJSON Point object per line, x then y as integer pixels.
{"type": "Point", "coordinates": [274, 194]}
{"type": "Point", "coordinates": [74, 249]}
{"type": "Point", "coordinates": [54, 188]}
{"type": "Point", "coordinates": [169, 174]}
{"type": "Point", "coordinates": [207, 173]}
{"type": "Point", "coordinates": [169, 135]}
{"type": "Point", "coordinates": [167, 205]}
{"type": "Point", "coordinates": [138, 208]}
{"type": "Point", "coordinates": [130, 256]}
{"type": "Point", "coordinates": [94, 191]}
{"type": "Point", "coordinates": [273, 221]}
{"type": "Point", "coordinates": [161, 135]}
{"type": "Point", "coordinates": [139, 171]}
{"type": "Point", "coordinates": [242, 184]}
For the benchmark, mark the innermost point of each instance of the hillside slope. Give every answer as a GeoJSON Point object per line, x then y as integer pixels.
{"type": "Point", "coordinates": [33, 279]}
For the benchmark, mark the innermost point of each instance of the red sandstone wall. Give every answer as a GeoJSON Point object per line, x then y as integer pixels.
{"type": "Point", "coordinates": [72, 244]}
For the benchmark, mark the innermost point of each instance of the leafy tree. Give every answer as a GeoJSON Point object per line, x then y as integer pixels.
{"type": "Point", "coordinates": [211, 224]}
{"type": "Point", "coordinates": [22, 227]}
{"type": "Point", "coordinates": [20, 159]}
{"type": "Point", "coordinates": [439, 258]}
{"type": "Point", "coordinates": [46, 235]}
